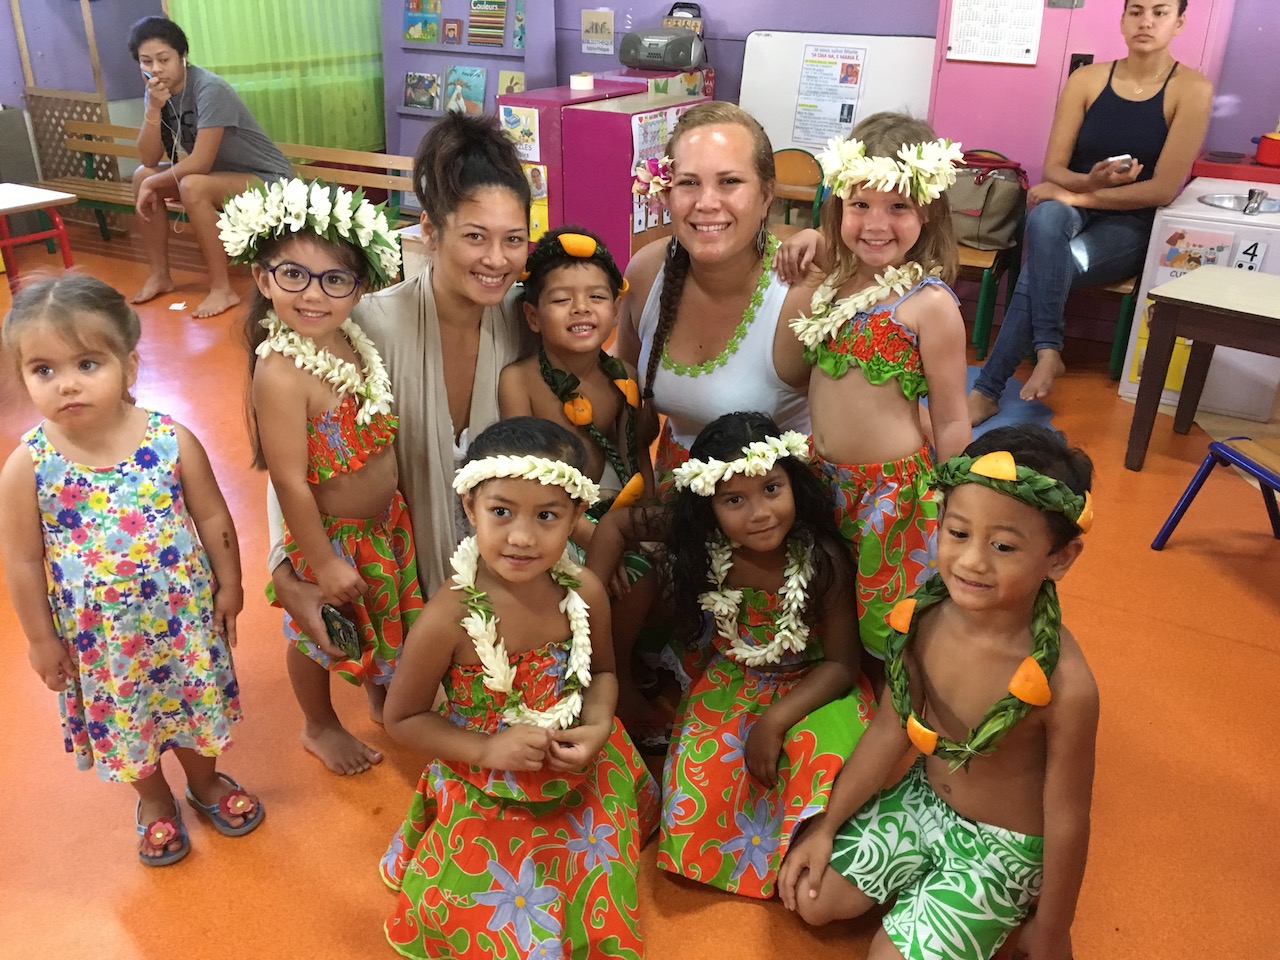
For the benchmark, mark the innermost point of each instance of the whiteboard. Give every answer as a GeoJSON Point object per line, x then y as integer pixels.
{"type": "Point", "coordinates": [805, 88]}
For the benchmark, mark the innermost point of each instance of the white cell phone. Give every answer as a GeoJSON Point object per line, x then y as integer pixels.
{"type": "Point", "coordinates": [1124, 159]}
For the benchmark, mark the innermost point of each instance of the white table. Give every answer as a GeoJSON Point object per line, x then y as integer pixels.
{"type": "Point", "coordinates": [18, 198]}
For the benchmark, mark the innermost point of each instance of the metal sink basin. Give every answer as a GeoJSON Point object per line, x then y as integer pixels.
{"type": "Point", "coordinates": [1255, 202]}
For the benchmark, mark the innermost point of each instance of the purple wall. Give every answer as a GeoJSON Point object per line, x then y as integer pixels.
{"type": "Point", "coordinates": [726, 25]}
{"type": "Point", "coordinates": [60, 52]}
{"type": "Point", "coordinates": [1248, 94]}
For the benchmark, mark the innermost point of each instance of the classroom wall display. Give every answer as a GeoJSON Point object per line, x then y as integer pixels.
{"type": "Point", "coordinates": [510, 81]}
{"type": "Point", "coordinates": [422, 21]}
{"type": "Point", "coordinates": [487, 23]}
{"type": "Point", "coordinates": [806, 88]}
{"type": "Point", "coordinates": [451, 31]}
{"type": "Point", "coordinates": [464, 89]}
{"type": "Point", "coordinates": [422, 91]}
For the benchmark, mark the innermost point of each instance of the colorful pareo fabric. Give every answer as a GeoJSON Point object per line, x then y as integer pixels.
{"type": "Point", "coordinates": [889, 518]}
{"type": "Point", "coordinates": [961, 886]}
{"type": "Point", "coordinates": [669, 455]}
{"type": "Point", "coordinates": [720, 825]}
{"type": "Point", "coordinates": [131, 593]}
{"type": "Point", "coordinates": [505, 865]}
{"type": "Point", "coordinates": [382, 550]}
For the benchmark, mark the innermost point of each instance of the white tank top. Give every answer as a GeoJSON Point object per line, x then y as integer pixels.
{"type": "Point", "coordinates": [746, 380]}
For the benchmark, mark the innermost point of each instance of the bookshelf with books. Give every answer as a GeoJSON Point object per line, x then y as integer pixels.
{"type": "Point", "coordinates": [443, 55]}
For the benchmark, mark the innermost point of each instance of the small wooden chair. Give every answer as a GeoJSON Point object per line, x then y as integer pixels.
{"type": "Point", "coordinates": [799, 177]}
{"type": "Point", "coordinates": [1260, 459]}
{"type": "Point", "coordinates": [1127, 291]}
{"type": "Point", "coordinates": [984, 267]}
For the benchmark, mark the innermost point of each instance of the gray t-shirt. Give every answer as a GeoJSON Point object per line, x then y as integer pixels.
{"type": "Point", "coordinates": [207, 100]}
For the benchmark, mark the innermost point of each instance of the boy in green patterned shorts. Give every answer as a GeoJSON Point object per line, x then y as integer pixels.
{"type": "Point", "coordinates": [971, 835]}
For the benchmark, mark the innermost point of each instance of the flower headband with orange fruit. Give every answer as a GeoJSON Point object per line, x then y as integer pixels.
{"type": "Point", "coordinates": [998, 471]}
{"type": "Point", "coordinates": [579, 246]}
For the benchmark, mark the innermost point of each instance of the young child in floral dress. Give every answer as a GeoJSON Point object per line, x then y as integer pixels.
{"type": "Point", "coordinates": [523, 838]}
{"type": "Point", "coordinates": [129, 616]}
{"type": "Point", "coordinates": [769, 715]}
{"type": "Point", "coordinates": [883, 321]}
{"type": "Point", "coordinates": [322, 426]}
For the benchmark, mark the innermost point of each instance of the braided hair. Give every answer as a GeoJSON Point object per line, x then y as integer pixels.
{"type": "Point", "coordinates": [676, 266]}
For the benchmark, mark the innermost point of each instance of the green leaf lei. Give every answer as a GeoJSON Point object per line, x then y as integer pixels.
{"type": "Point", "coordinates": [730, 348]}
{"type": "Point", "coordinates": [1046, 628]}
{"type": "Point", "coordinates": [565, 386]}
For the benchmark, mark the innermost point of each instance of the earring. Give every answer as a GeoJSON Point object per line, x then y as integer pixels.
{"type": "Point", "coordinates": [762, 238]}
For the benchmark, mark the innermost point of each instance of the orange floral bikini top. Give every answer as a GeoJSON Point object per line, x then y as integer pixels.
{"type": "Point", "coordinates": [879, 345]}
{"type": "Point", "coordinates": [337, 444]}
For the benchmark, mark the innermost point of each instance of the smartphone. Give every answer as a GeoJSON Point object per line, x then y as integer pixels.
{"type": "Point", "coordinates": [1124, 160]}
{"type": "Point", "coordinates": [342, 630]}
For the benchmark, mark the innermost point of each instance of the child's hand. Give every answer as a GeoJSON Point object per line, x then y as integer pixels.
{"type": "Point", "coordinates": [806, 863]}
{"type": "Point", "coordinates": [50, 659]}
{"type": "Point", "coordinates": [571, 750]}
{"type": "Point", "coordinates": [227, 604]}
{"type": "Point", "coordinates": [1039, 942]}
{"type": "Point", "coordinates": [619, 581]}
{"type": "Point", "coordinates": [520, 747]}
{"type": "Point", "coordinates": [340, 582]}
{"type": "Point", "coordinates": [798, 254]}
{"type": "Point", "coordinates": [764, 745]}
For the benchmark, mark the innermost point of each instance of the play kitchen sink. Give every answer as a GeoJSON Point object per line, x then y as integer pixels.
{"type": "Point", "coordinates": [1255, 202]}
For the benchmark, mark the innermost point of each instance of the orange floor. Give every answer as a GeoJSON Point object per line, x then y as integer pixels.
{"type": "Point", "coordinates": [1185, 643]}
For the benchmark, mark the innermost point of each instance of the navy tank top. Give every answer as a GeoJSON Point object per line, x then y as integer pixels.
{"type": "Point", "coordinates": [1113, 126]}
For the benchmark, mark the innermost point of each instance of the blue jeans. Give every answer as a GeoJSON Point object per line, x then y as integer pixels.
{"type": "Point", "coordinates": [1066, 247]}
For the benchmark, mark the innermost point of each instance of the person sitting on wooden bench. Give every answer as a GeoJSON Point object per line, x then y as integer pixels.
{"type": "Point", "coordinates": [1123, 138]}
{"type": "Point", "coordinates": [225, 152]}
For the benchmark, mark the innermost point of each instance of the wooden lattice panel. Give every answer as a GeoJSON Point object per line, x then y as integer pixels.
{"type": "Point", "coordinates": [49, 110]}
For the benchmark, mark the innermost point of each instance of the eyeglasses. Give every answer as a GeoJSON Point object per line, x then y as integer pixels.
{"type": "Point", "coordinates": [295, 278]}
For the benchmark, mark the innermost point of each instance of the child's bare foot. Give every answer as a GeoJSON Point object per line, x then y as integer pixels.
{"type": "Point", "coordinates": [377, 694]}
{"type": "Point", "coordinates": [981, 407]}
{"type": "Point", "coordinates": [1049, 367]}
{"type": "Point", "coordinates": [161, 839]}
{"type": "Point", "coordinates": [339, 750]}
{"type": "Point", "coordinates": [155, 285]}
{"type": "Point", "coordinates": [216, 302]}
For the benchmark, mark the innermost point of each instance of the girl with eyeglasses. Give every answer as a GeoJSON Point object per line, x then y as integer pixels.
{"type": "Point", "coordinates": [321, 423]}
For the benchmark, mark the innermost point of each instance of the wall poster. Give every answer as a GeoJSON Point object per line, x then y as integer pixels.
{"type": "Point", "coordinates": [831, 79]}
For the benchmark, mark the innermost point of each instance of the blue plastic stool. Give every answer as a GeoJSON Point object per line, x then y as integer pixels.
{"type": "Point", "coordinates": [1258, 459]}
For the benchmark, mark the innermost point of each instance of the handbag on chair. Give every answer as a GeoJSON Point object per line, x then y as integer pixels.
{"type": "Point", "coordinates": [988, 200]}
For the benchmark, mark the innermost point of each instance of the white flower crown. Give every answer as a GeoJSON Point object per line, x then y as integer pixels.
{"type": "Point", "coordinates": [758, 458]}
{"type": "Point", "coordinates": [922, 170]}
{"type": "Point", "coordinates": [296, 206]}
{"type": "Point", "coordinates": [544, 470]}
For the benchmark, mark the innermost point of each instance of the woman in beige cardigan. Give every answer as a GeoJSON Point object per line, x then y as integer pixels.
{"type": "Point", "coordinates": [444, 336]}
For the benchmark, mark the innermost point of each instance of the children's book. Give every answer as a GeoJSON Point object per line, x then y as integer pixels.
{"type": "Point", "coordinates": [510, 81]}
{"type": "Point", "coordinates": [422, 20]}
{"type": "Point", "coordinates": [487, 24]}
{"type": "Point", "coordinates": [464, 89]}
{"type": "Point", "coordinates": [422, 90]}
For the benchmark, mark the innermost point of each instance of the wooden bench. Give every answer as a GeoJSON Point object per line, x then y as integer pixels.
{"type": "Point", "coordinates": [376, 171]}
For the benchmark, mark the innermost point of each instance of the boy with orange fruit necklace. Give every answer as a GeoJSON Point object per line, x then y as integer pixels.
{"type": "Point", "coordinates": [996, 810]}
{"type": "Point", "coordinates": [572, 288]}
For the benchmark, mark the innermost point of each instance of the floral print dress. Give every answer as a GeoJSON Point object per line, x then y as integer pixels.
{"type": "Point", "coordinates": [131, 594]}
{"type": "Point", "coordinates": [506, 865]}
{"type": "Point", "coordinates": [720, 825]}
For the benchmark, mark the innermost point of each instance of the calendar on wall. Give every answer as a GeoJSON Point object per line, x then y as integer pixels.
{"type": "Point", "coordinates": [995, 31]}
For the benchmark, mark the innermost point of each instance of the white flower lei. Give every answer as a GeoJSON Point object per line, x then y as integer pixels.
{"type": "Point", "coordinates": [369, 381]}
{"type": "Point", "coordinates": [827, 317]}
{"type": "Point", "coordinates": [499, 674]}
{"type": "Point", "coordinates": [758, 458]}
{"type": "Point", "coordinates": [544, 470]}
{"type": "Point", "coordinates": [791, 633]}
{"type": "Point", "coordinates": [922, 170]}
{"type": "Point", "coordinates": [329, 212]}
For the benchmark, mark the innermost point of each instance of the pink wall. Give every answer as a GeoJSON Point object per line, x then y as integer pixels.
{"type": "Point", "coordinates": [1010, 108]}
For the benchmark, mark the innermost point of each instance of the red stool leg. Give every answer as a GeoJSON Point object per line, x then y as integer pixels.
{"type": "Point", "coordinates": [64, 242]}
{"type": "Point", "coordinates": [10, 265]}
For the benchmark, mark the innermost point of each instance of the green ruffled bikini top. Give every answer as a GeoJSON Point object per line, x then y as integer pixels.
{"type": "Point", "coordinates": [879, 345]}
